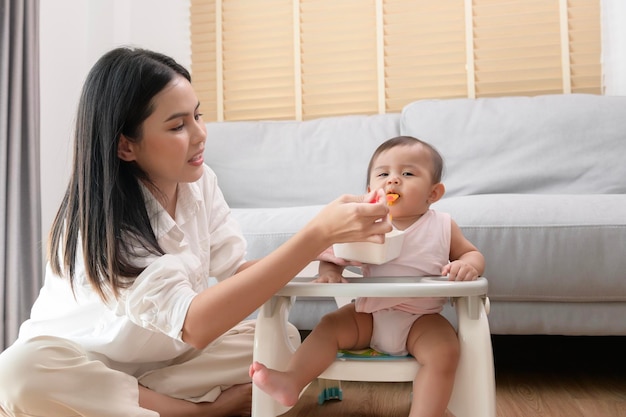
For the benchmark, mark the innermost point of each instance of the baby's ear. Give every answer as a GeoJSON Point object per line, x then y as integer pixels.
{"type": "Point", "coordinates": [437, 191]}
{"type": "Point", "coordinates": [125, 149]}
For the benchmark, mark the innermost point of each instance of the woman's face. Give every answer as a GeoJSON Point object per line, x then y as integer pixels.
{"type": "Point", "coordinates": [172, 142]}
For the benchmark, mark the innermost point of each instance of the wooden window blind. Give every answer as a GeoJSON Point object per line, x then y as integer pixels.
{"type": "Point", "coordinates": [424, 53]}
{"type": "Point", "coordinates": [338, 55]}
{"type": "Point", "coordinates": [583, 18]}
{"type": "Point", "coordinates": [304, 59]}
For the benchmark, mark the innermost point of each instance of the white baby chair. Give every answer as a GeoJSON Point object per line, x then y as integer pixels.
{"type": "Point", "coordinates": [474, 388]}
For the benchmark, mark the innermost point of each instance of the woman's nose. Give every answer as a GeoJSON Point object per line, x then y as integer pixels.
{"type": "Point", "coordinates": [199, 134]}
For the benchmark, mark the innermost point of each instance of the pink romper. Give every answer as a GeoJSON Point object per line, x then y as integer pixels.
{"type": "Point", "coordinates": [425, 251]}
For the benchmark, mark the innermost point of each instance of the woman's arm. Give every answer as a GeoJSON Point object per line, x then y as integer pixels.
{"type": "Point", "coordinates": [247, 265]}
{"type": "Point", "coordinates": [220, 307]}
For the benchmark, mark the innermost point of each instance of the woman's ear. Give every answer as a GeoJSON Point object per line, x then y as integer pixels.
{"type": "Point", "coordinates": [125, 149]}
{"type": "Point", "coordinates": [436, 192]}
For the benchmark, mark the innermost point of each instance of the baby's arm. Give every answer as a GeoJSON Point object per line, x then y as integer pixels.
{"type": "Point", "coordinates": [331, 267]}
{"type": "Point", "coordinates": [330, 272]}
{"type": "Point", "coordinates": [466, 262]}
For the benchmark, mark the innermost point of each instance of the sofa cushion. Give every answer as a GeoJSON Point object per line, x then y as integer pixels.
{"type": "Point", "coordinates": [559, 248]}
{"type": "Point", "coordinates": [565, 144]}
{"type": "Point", "coordinates": [267, 228]}
{"type": "Point", "coordinates": [291, 163]}
{"type": "Point", "coordinates": [575, 241]}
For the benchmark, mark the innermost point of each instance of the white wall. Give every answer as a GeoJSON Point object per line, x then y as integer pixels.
{"type": "Point", "coordinates": [73, 35]}
{"type": "Point", "coordinates": [614, 47]}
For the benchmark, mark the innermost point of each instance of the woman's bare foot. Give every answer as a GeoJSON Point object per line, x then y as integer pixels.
{"type": "Point", "coordinates": [235, 401]}
{"type": "Point", "coordinates": [277, 384]}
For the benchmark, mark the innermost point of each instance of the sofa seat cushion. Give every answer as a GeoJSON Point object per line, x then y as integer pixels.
{"type": "Point", "coordinates": [267, 228]}
{"type": "Point", "coordinates": [563, 248]}
{"type": "Point", "coordinates": [576, 241]}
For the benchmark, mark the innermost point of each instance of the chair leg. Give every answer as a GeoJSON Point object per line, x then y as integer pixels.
{"type": "Point", "coordinates": [474, 389]}
{"type": "Point", "coordinates": [330, 389]}
{"type": "Point", "coordinates": [272, 348]}
{"type": "Point", "coordinates": [474, 392]}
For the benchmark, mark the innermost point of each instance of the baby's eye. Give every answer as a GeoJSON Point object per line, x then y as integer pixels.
{"type": "Point", "coordinates": [383, 174]}
{"type": "Point", "coordinates": [407, 174]}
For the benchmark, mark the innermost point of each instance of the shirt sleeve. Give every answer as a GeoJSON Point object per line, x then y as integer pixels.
{"type": "Point", "coordinates": [159, 298]}
{"type": "Point", "coordinates": [228, 246]}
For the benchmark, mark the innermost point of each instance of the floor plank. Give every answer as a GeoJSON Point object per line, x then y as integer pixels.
{"type": "Point", "coordinates": [543, 376]}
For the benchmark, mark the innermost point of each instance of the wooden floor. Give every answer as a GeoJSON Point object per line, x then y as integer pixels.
{"type": "Point", "coordinates": [544, 376]}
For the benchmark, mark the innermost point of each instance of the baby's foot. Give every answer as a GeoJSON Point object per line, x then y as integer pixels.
{"type": "Point", "coordinates": [277, 384]}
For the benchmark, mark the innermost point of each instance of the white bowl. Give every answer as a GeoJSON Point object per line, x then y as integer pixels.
{"type": "Point", "coordinates": [372, 253]}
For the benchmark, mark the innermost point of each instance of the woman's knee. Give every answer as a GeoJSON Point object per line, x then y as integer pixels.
{"type": "Point", "coordinates": [26, 369]}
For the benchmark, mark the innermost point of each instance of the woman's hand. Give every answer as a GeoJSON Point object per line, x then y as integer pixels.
{"type": "Point", "coordinates": [352, 218]}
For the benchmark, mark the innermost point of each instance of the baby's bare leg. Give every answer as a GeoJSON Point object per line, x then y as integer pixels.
{"type": "Point", "coordinates": [434, 343]}
{"type": "Point", "coordinates": [342, 329]}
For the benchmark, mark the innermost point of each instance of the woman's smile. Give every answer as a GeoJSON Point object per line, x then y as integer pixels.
{"type": "Point", "coordinates": [198, 159]}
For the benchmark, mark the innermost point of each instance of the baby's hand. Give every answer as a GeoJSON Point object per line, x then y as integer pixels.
{"type": "Point", "coordinates": [459, 271]}
{"type": "Point", "coordinates": [329, 256]}
{"type": "Point", "coordinates": [330, 277]}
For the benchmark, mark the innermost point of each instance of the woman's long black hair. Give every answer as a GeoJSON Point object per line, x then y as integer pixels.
{"type": "Point", "coordinates": [103, 208]}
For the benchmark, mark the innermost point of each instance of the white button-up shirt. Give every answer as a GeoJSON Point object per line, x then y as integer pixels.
{"type": "Point", "coordinates": [141, 330]}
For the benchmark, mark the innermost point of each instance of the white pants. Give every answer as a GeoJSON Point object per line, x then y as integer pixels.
{"type": "Point", "coordinates": [50, 376]}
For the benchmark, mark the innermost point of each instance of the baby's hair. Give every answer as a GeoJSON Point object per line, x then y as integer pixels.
{"type": "Point", "coordinates": [437, 160]}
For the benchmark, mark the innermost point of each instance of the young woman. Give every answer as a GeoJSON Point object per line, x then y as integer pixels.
{"type": "Point", "coordinates": [126, 323]}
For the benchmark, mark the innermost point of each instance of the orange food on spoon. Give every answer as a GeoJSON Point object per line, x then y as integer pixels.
{"type": "Point", "coordinates": [391, 198]}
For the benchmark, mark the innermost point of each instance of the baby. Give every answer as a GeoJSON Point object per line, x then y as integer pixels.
{"type": "Point", "coordinates": [409, 171]}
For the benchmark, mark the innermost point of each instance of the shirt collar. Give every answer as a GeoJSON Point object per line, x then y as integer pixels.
{"type": "Point", "coordinates": [188, 203]}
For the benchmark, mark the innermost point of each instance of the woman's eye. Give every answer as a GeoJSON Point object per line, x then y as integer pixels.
{"type": "Point", "coordinates": [179, 127]}
{"type": "Point", "coordinates": [198, 116]}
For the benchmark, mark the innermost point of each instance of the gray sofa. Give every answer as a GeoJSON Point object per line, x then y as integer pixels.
{"type": "Point", "coordinates": [538, 184]}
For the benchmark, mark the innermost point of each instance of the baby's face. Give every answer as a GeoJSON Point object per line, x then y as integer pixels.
{"type": "Point", "coordinates": [404, 170]}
